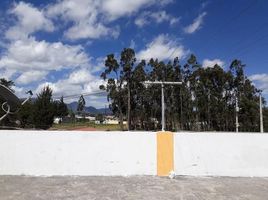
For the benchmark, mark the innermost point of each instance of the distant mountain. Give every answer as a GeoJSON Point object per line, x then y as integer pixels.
{"type": "Point", "coordinates": [72, 106]}
{"type": "Point", "coordinates": [90, 109]}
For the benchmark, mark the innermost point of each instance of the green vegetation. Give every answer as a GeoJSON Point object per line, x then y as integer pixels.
{"type": "Point", "coordinates": [37, 114]}
{"type": "Point", "coordinates": [204, 102]}
{"type": "Point", "coordinates": [81, 104]}
{"type": "Point", "coordinates": [80, 125]}
{"type": "Point", "coordinates": [44, 109]}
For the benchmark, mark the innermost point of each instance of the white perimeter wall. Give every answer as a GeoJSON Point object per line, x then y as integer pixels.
{"type": "Point", "coordinates": [130, 153]}
{"type": "Point", "coordinates": [221, 154]}
{"type": "Point", "coordinates": [77, 153]}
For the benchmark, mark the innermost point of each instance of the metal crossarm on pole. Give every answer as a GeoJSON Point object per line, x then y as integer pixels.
{"type": "Point", "coordinates": [162, 83]}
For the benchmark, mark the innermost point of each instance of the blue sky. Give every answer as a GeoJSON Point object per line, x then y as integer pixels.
{"type": "Point", "coordinates": [63, 43]}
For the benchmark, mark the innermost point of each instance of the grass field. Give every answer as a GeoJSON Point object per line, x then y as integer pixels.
{"type": "Point", "coordinates": [80, 125]}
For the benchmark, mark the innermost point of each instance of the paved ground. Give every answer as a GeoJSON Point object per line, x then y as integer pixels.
{"type": "Point", "coordinates": [136, 188]}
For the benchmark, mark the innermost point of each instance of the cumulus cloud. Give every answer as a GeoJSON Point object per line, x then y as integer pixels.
{"type": "Point", "coordinates": [212, 63]}
{"type": "Point", "coordinates": [93, 31]}
{"type": "Point", "coordinates": [261, 81]}
{"type": "Point", "coordinates": [34, 59]}
{"type": "Point", "coordinates": [91, 18]}
{"type": "Point", "coordinates": [118, 8]}
{"type": "Point", "coordinates": [162, 47]}
{"type": "Point", "coordinates": [157, 17]}
{"type": "Point", "coordinates": [29, 20]}
{"type": "Point", "coordinates": [78, 82]}
{"type": "Point", "coordinates": [7, 73]}
{"type": "Point", "coordinates": [81, 18]}
{"type": "Point", "coordinates": [85, 17]}
{"type": "Point", "coordinates": [196, 25]}
{"type": "Point", "coordinates": [26, 59]}
{"type": "Point", "coordinates": [41, 55]}
{"type": "Point", "coordinates": [31, 76]}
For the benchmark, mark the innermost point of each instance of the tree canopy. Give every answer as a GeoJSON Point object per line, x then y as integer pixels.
{"type": "Point", "coordinates": [205, 101]}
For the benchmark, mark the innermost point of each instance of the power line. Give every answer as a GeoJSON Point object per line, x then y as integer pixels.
{"type": "Point", "coordinates": [230, 21]}
{"type": "Point", "coordinates": [251, 44]}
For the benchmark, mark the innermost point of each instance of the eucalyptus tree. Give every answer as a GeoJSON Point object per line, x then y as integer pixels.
{"type": "Point", "coordinates": [205, 100]}
{"type": "Point", "coordinates": [119, 75]}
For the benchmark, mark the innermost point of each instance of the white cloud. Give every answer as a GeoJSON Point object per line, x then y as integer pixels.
{"type": "Point", "coordinates": [162, 16]}
{"type": "Point", "coordinates": [196, 25]}
{"type": "Point", "coordinates": [40, 55]}
{"type": "Point", "coordinates": [29, 20]}
{"type": "Point", "coordinates": [132, 44]}
{"type": "Point", "coordinates": [86, 18]}
{"type": "Point", "coordinates": [119, 8]}
{"type": "Point", "coordinates": [99, 65]}
{"type": "Point", "coordinates": [141, 21]}
{"type": "Point", "coordinates": [31, 76]}
{"type": "Point", "coordinates": [212, 63]}
{"type": "Point", "coordinates": [93, 31]}
{"type": "Point", "coordinates": [174, 20]}
{"type": "Point", "coordinates": [157, 17]}
{"type": "Point", "coordinates": [80, 76]}
{"type": "Point", "coordinates": [32, 60]}
{"type": "Point", "coordinates": [261, 81]}
{"type": "Point", "coordinates": [78, 82]}
{"type": "Point", "coordinates": [162, 47]}
{"type": "Point", "coordinates": [91, 18]}
{"type": "Point", "coordinates": [81, 19]}
{"type": "Point", "coordinates": [7, 73]}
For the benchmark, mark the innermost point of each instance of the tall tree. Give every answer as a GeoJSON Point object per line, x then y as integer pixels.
{"type": "Point", "coordinates": [61, 108]}
{"type": "Point", "coordinates": [81, 104]}
{"type": "Point", "coordinates": [205, 100]}
{"type": "Point", "coordinates": [119, 75]}
{"type": "Point", "coordinates": [44, 110]}
{"type": "Point", "coordinates": [127, 62]}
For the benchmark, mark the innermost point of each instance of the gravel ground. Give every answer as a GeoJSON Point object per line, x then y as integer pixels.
{"type": "Point", "coordinates": [134, 187]}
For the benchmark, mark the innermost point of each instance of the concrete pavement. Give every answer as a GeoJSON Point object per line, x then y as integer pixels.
{"type": "Point", "coordinates": [132, 188]}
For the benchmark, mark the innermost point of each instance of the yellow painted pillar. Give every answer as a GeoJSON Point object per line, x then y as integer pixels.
{"type": "Point", "coordinates": [165, 153]}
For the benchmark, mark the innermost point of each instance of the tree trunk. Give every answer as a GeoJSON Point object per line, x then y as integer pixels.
{"type": "Point", "coordinates": [121, 117]}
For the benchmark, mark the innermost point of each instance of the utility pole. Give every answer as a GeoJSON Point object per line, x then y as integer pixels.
{"type": "Point", "coordinates": [128, 109]}
{"type": "Point", "coordinates": [261, 116]}
{"type": "Point", "coordinates": [162, 83]}
{"type": "Point", "coordinates": [236, 115]}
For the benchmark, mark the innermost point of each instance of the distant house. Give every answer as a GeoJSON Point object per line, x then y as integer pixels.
{"type": "Point", "coordinates": [90, 118]}
{"type": "Point", "coordinates": [57, 120]}
{"type": "Point", "coordinates": [97, 122]}
{"type": "Point", "coordinates": [113, 121]}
